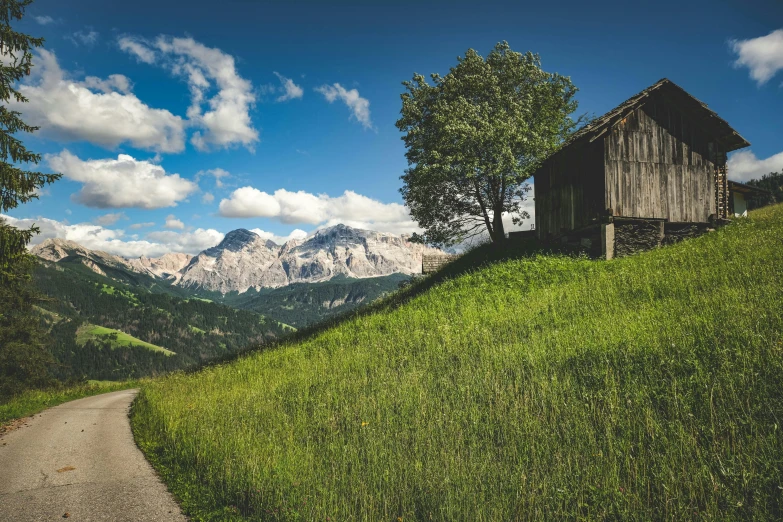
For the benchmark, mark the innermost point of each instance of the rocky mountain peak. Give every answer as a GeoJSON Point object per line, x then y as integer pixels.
{"type": "Point", "coordinates": [236, 240]}
{"type": "Point", "coordinates": [55, 249]}
{"type": "Point", "coordinates": [244, 260]}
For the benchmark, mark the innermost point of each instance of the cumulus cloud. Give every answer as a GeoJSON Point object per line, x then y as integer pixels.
{"type": "Point", "coordinates": [217, 173]}
{"type": "Point", "coordinates": [72, 110]}
{"type": "Point", "coordinates": [173, 223]}
{"type": "Point", "coordinates": [121, 183]}
{"type": "Point", "coordinates": [303, 207]}
{"type": "Point", "coordinates": [44, 20]}
{"type": "Point", "coordinates": [744, 165]}
{"type": "Point", "coordinates": [291, 90]}
{"type": "Point", "coordinates": [96, 237]}
{"type": "Point", "coordinates": [114, 82]}
{"type": "Point", "coordinates": [188, 242]}
{"type": "Point", "coordinates": [137, 226]}
{"type": "Point", "coordinates": [360, 107]}
{"type": "Point", "coordinates": [225, 121]}
{"type": "Point", "coordinates": [137, 48]}
{"type": "Point", "coordinates": [88, 38]}
{"type": "Point", "coordinates": [295, 234]}
{"type": "Point", "coordinates": [109, 219]}
{"type": "Point", "coordinates": [208, 197]}
{"type": "Point", "coordinates": [763, 56]}
{"type": "Point", "coordinates": [249, 202]}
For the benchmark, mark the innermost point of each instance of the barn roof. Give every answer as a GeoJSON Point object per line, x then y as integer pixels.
{"type": "Point", "coordinates": [704, 117]}
{"type": "Point", "coordinates": [742, 188]}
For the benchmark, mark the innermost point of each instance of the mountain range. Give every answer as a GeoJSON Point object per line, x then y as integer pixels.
{"type": "Point", "coordinates": [245, 261]}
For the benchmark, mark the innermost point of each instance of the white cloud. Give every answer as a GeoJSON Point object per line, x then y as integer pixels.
{"type": "Point", "coordinates": [744, 165]}
{"type": "Point", "coordinates": [71, 110]}
{"type": "Point", "coordinates": [217, 173]}
{"type": "Point", "coordinates": [173, 223]}
{"type": "Point", "coordinates": [96, 237]}
{"type": "Point", "coordinates": [109, 219]}
{"type": "Point", "coordinates": [762, 55]}
{"type": "Point", "coordinates": [295, 234]}
{"type": "Point", "coordinates": [115, 82]}
{"type": "Point", "coordinates": [189, 242]}
{"type": "Point", "coordinates": [137, 226]}
{"type": "Point", "coordinates": [360, 107]}
{"type": "Point", "coordinates": [249, 202]}
{"type": "Point", "coordinates": [303, 207]}
{"type": "Point", "coordinates": [208, 197]}
{"type": "Point", "coordinates": [44, 20]}
{"type": "Point", "coordinates": [226, 121]}
{"type": "Point", "coordinates": [291, 89]}
{"type": "Point", "coordinates": [122, 183]}
{"type": "Point", "coordinates": [137, 48]}
{"type": "Point", "coordinates": [88, 38]}
{"type": "Point", "coordinates": [267, 88]}
{"type": "Point", "coordinates": [393, 227]}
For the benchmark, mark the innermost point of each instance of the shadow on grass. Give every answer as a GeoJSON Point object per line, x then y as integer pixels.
{"type": "Point", "coordinates": [474, 259]}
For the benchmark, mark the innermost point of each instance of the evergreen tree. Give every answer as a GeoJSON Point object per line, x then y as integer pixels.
{"type": "Point", "coordinates": [23, 353]}
{"type": "Point", "coordinates": [772, 182]}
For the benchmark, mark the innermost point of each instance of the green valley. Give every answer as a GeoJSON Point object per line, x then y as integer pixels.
{"type": "Point", "coordinates": [127, 327]}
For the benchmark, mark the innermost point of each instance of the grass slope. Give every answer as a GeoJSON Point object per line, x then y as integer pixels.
{"type": "Point", "coordinates": [535, 388]}
{"type": "Point", "coordinates": [31, 402]}
{"type": "Point", "coordinates": [88, 332]}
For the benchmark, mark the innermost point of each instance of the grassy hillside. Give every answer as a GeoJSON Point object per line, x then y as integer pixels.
{"type": "Point", "coordinates": [534, 388]}
{"type": "Point", "coordinates": [31, 402]}
{"type": "Point", "coordinates": [117, 339]}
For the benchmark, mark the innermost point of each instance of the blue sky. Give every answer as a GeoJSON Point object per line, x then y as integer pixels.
{"type": "Point", "coordinates": [172, 124]}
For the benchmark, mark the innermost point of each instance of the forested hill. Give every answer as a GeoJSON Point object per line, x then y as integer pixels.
{"type": "Point", "coordinates": [304, 304]}
{"type": "Point", "coordinates": [194, 329]}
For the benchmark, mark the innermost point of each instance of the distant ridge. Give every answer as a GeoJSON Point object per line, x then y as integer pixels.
{"type": "Point", "coordinates": [244, 260]}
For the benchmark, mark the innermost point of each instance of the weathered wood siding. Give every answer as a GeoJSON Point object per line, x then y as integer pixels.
{"type": "Point", "coordinates": [569, 190]}
{"type": "Point", "coordinates": [657, 165]}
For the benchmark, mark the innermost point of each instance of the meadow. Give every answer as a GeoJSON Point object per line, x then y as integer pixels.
{"type": "Point", "coordinates": [116, 338]}
{"type": "Point", "coordinates": [30, 402]}
{"type": "Point", "coordinates": [533, 387]}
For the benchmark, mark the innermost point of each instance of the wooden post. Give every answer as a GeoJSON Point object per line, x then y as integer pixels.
{"type": "Point", "coordinates": [607, 240]}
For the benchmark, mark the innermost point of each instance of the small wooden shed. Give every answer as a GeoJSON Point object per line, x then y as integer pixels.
{"type": "Point", "coordinates": [740, 196]}
{"type": "Point", "coordinates": [653, 165]}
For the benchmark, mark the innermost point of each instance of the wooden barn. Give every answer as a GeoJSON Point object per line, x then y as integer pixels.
{"type": "Point", "coordinates": [650, 171]}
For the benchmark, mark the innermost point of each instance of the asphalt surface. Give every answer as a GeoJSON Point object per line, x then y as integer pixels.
{"type": "Point", "coordinates": [79, 459]}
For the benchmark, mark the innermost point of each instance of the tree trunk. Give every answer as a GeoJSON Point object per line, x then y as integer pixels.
{"type": "Point", "coordinates": [498, 232]}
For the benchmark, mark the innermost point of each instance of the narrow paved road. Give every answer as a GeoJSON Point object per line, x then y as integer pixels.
{"type": "Point", "coordinates": [80, 459]}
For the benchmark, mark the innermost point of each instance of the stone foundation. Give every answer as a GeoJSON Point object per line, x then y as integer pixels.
{"type": "Point", "coordinates": [676, 232]}
{"type": "Point", "coordinates": [625, 236]}
{"type": "Point", "coordinates": [433, 263]}
{"type": "Point", "coordinates": [636, 235]}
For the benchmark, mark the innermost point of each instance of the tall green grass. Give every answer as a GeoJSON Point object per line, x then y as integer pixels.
{"type": "Point", "coordinates": [538, 388]}
{"type": "Point", "coordinates": [30, 402]}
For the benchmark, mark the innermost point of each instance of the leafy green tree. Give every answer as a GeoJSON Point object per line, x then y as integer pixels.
{"type": "Point", "coordinates": [474, 138]}
{"type": "Point", "coordinates": [772, 182]}
{"type": "Point", "coordinates": [23, 354]}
